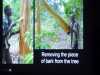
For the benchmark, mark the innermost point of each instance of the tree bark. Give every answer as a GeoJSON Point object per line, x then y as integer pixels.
{"type": "Point", "coordinates": [23, 26]}
{"type": "Point", "coordinates": [38, 16]}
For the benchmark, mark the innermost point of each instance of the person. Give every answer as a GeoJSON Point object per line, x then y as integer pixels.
{"type": "Point", "coordinates": [8, 24]}
{"type": "Point", "coordinates": [74, 32]}
{"type": "Point", "coordinates": [6, 34]}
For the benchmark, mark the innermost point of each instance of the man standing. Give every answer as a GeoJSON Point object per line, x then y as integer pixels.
{"type": "Point", "coordinates": [74, 32]}
{"type": "Point", "coordinates": [7, 26]}
{"type": "Point", "coordinates": [7, 33]}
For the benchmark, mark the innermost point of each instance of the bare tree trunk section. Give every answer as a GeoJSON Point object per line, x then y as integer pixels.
{"type": "Point", "coordinates": [37, 20]}
{"type": "Point", "coordinates": [38, 16]}
{"type": "Point", "coordinates": [23, 26]}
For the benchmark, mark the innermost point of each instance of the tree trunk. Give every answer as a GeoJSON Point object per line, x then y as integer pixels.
{"type": "Point", "coordinates": [38, 22]}
{"type": "Point", "coordinates": [23, 26]}
{"type": "Point", "coordinates": [38, 16]}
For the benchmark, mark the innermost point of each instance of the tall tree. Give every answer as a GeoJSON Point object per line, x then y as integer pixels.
{"type": "Point", "coordinates": [38, 22]}
{"type": "Point", "coordinates": [23, 26]}
{"type": "Point", "coordinates": [38, 16]}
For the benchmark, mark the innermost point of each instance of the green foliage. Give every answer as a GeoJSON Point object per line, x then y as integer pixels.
{"type": "Point", "coordinates": [15, 28]}
{"type": "Point", "coordinates": [29, 37]}
{"type": "Point", "coordinates": [47, 34]}
{"type": "Point", "coordinates": [45, 45]}
{"type": "Point", "coordinates": [28, 58]}
{"type": "Point", "coordinates": [37, 41]}
{"type": "Point", "coordinates": [44, 33]}
{"type": "Point", "coordinates": [73, 7]}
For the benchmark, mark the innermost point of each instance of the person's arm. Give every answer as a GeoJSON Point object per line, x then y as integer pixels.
{"type": "Point", "coordinates": [12, 25]}
{"type": "Point", "coordinates": [17, 21]}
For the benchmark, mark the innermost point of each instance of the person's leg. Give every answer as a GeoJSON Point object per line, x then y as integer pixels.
{"type": "Point", "coordinates": [3, 57]}
{"type": "Point", "coordinates": [8, 57]}
{"type": "Point", "coordinates": [76, 41]}
{"type": "Point", "coordinates": [73, 39]}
